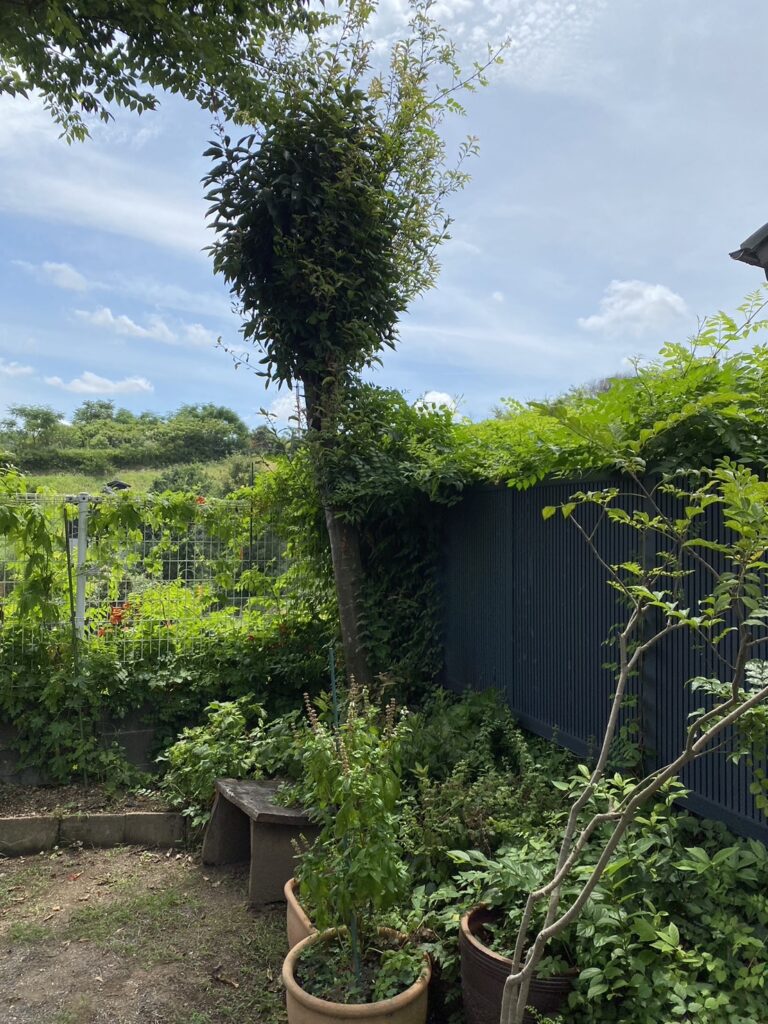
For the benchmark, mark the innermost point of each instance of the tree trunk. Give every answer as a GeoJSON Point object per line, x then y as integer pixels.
{"type": "Point", "coordinates": [347, 574]}
{"type": "Point", "coordinates": [343, 536]}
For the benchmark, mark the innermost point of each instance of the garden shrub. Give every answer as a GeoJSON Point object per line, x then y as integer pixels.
{"type": "Point", "coordinates": [191, 476]}
{"type": "Point", "coordinates": [393, 472]}
{"type": "Point", "coordinates": [355, 874]}
{"type": "Point", "coordinates": [221, 747]}
{"type": "Point", "coordinates": [59, 714]}
{"type": "Point", "coordinates": [478, 729]}
{"type": "Point", "coordinates": [473, 810]}
{"type": "Point", "coordinates": [56, 711]}
{"type": "Point", "coordinates": [675, 931]}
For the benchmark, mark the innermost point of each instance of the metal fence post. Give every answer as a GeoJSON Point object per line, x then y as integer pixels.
{"type": "Point", "coordinates": [81, 571]}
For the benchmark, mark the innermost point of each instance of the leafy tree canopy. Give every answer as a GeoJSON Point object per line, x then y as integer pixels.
{"type": "Point", "coordinates": [328, 217]}
{"type": "Point", "coordinates": [308, 236]}
{"type": "Point", "coordinates": [84, 55]}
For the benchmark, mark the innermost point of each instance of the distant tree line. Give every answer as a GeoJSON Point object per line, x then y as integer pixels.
{"type": "Point", "coordinates": [100, 437]}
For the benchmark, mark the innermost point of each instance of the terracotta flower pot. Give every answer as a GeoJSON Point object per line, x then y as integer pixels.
{"type": "Point", "coordinates": [484, 972]}
{"type": "Point", "coordinates": [408, 1007]}
{"type": "Point", "coordinates": [298, 924]}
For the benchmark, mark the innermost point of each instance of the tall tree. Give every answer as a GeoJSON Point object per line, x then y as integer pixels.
{"type": "Point", "coordinates": [328, 221]}
{"type": "Point", "coordinates": [82, 55]}
{"type": "Point", "coordinates": [94, 409]}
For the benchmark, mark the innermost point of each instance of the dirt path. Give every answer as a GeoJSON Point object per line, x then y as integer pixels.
{"type": "Point", "coordinates": [127, 936]}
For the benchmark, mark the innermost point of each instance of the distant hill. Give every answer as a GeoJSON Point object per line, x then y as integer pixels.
{"type": "Point", "coordinates": [101, 440]}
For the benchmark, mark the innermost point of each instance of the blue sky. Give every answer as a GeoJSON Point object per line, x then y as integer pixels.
{"type": "Point", "coordinates": [623, 154]}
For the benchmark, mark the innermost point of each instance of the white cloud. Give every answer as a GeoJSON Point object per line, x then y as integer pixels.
{"type": "Point", "coordinates": [636, 308]}
{"type": "Point", "coordinates": [169, 296]}
{"type": "Point", "coordinates": [65, 276]}
{"type": "Point", "coordinates": [22, 119]}
{"type": "Point", "coordinates": [117, 207]}
{"type": "Point", "coordinates": [284, 407]}
{"type": "Point", "coordinates": [547, 39]}
{"type": "Point", "coordinates": [198, 336]}
{"type": "Point", "coordinates": [62, 275]}
{"type": "Point", "coordinates": [91, 384]}
{"type": "Point", "coordinates": [159, 330]}
{"type": "Point", "coordinates": [84, 186]}
{"type": "Point", "coordinates": [498, 296]}
{"type": "Point", "coordinates": [190, 335]}
{"type": "Point", "coordinates": [105, 319]}
{"type": "Point", "coordinates": [439, 398]}
{"type": "Point", "coordinates": [461, 245]}
{"type": "Point", "coordinates": [14, 369]}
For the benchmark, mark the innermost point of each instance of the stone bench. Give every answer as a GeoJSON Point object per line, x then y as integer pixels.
{"type": "Point", "coordinates": [247, 825]}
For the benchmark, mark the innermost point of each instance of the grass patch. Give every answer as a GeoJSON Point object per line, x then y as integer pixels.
{"type": "Point", "coordinates": [258, 951]}
{"type": "Point", "coordinates": [81, 1013]}
{"type": "Point", "coordinates": [19, 885]}
{"type": "Point", "coordinates": [140, 479]}
{"type": "Point", "coordinates": [183, 935]}
{"type": "Point", "coordinates": [136, 923]}
{"type": "Point", "coordinates": [30, 932]}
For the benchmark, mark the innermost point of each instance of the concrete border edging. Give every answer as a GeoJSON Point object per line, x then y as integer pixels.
{"type": "Point", "coordinates": [36, 833]}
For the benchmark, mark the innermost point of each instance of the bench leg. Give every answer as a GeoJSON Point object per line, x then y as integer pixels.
{"type": "Point", "coordinates": [227, 837]}
{"type": "Point", "coordinates": [272, 861]}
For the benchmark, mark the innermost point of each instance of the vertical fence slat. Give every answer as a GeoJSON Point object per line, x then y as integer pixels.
{"type": "Point", "coordinates": [527, 609]}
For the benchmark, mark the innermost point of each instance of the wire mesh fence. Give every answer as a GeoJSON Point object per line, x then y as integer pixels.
{"type": "Point", "coordinates": [162, 570]}
{"type": "Point", "coordinates": [123, 617]}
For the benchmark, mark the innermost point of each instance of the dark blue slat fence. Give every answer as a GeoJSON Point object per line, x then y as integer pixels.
{"type": "Point", "coordinates": [527, 610]}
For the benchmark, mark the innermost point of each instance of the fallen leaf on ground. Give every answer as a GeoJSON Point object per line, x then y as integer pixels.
{"type": "Point", "coordinates": [218, 975]}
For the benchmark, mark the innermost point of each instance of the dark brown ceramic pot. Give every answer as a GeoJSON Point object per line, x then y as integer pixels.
{"type": "Point", "coordinates": [484, 972]}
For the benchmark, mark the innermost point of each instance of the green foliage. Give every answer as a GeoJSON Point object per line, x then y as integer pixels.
{"type": "Point", "coordinates": [83, 58]}
{"type": "Point", "coordinates": [476, 730]}
{"type": "Point", "coordinates": [167, 646]}
{"type": "Point", "coordinates": [58, 715]}
{"type": "Point", "coordinates": [474, 811]}
{"type": "Point", "coordinates": [327, 220]}
{"type": "Point", "coordinates": [306, 237]}
{"type": "Point", "coordinates": [473, 780]}
{"type": "Point", "coordinates": [675, 930]}
{"type": "Point", "coordinates": [329, 215]}
{"type": "Point", "coordinates": [221, 747]}
{"type": "Point", "coordinates": [101, 438]}
{"type": "Point", "coordinates": [693, 404]}
{"type": "Point", "coordinates": [57, 712]}
{"type": "Point", "coordinates": [192, 477]}
{"type": "Point", "coordinates": [384, 476]}
{"type": "Point", "coordinates": [354, 873]}
{"type": "Point", "coordinates": [324, 970]}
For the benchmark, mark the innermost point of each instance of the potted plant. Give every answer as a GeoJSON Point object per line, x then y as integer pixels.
{"type": "Point", "coordinates": [497, 890]}
{"type": "Point", "coordinates": [298, 923]}
{"type": "Point", "coordinates": [354, 875]}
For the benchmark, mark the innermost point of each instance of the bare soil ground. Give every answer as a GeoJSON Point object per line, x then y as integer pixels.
{"type": "Point", "coordinates": [130, 936]}
{"type": "Point", "coordinates": [17, 801]}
